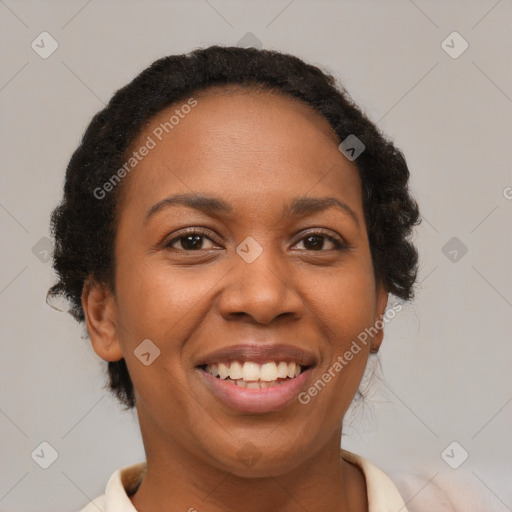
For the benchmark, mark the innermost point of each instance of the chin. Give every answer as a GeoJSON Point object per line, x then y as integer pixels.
{"type": "Point", "coordinates": [251, 461]}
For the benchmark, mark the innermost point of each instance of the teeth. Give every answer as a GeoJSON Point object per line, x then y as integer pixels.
{"type": "Point", "coordinates": [223, 370]}
{"type": "Point", "coordinates": [250, 371]}
{"type": "Point", "coordinates": [282, 370]}
{"type": "Point", "coordinates": [235, 370]}
{"type": "Point", "coordinates": [253, 373]}
{"type": "Point", "coordinates": [254, 385]}
{"type": "Point", "coordinates": [268, 372]}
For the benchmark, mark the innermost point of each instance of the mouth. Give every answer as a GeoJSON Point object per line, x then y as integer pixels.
{"type": "Point", "coordinates": [255, 387]}
{"type": "Point", "coordinates": [253, 375]}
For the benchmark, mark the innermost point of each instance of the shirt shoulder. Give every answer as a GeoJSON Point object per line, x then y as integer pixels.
{"type": "Point", "coordinates": [383, 495]}
{"type": "Point", "coordinates": [120, 486]}
{"type": "Point", "coordinates": [445, 491]}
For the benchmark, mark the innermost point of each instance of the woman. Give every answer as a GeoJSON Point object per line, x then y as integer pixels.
{"type": "Point", "coordinates": [231, 228]}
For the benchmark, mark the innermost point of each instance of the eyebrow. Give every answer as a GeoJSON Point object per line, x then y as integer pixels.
{"type": "Point", "coordinates": [298, 207]}
{"type": "Point", "coordinates": [205, 204]}
{"type": "Point", "coordinates": [302, 206]}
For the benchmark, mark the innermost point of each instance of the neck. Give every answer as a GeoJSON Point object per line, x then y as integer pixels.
{"type": "Point", "coordinates": [176, 479]}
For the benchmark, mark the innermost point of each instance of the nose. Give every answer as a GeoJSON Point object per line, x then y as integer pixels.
{"type": "Point", "coordinates": [260, 291]}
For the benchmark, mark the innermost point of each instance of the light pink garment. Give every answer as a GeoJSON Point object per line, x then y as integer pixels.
{"type": "Point", "coordinates": [451, 491]}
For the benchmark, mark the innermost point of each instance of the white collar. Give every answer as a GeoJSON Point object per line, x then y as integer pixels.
{"type": "Point", "coordinates": [383, 496]}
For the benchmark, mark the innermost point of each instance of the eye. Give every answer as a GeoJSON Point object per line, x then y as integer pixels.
{"type": "Point", "coordinates": [197, 239]}
{"type": "Point", "coordinates": [316, 241]}
{"type": "Point", "coordinates": [192, 239]}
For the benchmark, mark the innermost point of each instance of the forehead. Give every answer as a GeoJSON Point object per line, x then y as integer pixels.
{"type": "Point", "coordinates": [240, 141]}
{"type": "Point", "coordinates": [251, 116]}
{"type": "Point", "coordinates": [246, 105]}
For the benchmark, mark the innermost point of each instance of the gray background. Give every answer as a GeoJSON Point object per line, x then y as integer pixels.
{"type": "Point", "coordinates": [446, 358]}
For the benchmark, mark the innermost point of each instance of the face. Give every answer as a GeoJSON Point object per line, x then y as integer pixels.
{"type": "Point", "coordinates": [263, 258]}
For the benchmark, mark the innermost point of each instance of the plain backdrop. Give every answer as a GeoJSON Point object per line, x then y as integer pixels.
{"type": "Point", "coordinates": [446, 358]}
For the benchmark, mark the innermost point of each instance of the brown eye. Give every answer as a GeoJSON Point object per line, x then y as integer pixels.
{"type": "Point", "coordinates": [193, 240]}
{"type": "Point", "coordinates": [314, 242]}
{"type": "Point", "coordinates": [320, 241]}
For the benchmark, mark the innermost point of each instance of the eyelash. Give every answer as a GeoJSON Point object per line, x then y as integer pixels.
{"type": "Point", "coordinates": [339, 245]}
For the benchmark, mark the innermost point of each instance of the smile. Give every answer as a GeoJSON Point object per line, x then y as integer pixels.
{"type": "Point", "coordinates": [252, 387]}
{"type": "Point", "coordinates": [253, 375]}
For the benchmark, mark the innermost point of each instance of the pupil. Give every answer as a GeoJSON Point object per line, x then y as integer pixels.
{"type": "Point", "coordinates": [191, 242]}
{"type": "Point", "coordinates": [311, 241]}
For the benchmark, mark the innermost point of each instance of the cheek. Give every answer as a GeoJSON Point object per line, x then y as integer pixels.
{"type": "Point", "coordinates": [160, 303]}
{"type": "Point", "coordinates": [164, 306]}
{"type": "Point", "coordinates": [344, 302]}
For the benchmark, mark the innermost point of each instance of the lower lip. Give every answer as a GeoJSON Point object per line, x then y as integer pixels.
{"type": "Point", "coordinates": [259, 401]}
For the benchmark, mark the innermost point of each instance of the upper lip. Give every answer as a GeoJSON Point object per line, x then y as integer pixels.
{"type": "Point", "coordinates": [259, 353]}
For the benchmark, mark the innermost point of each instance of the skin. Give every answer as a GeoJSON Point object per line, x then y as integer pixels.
{"type": "Point", "coordinates": [256, 151]}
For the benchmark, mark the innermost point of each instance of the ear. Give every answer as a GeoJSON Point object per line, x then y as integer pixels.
{"type": "Point", "coordinates": [381, 302]}
{"type": "Point", "coordinates": [100, 310]}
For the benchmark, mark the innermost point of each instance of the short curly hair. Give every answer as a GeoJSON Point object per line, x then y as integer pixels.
{"type": "Point", "coordinates": [84, 227]}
